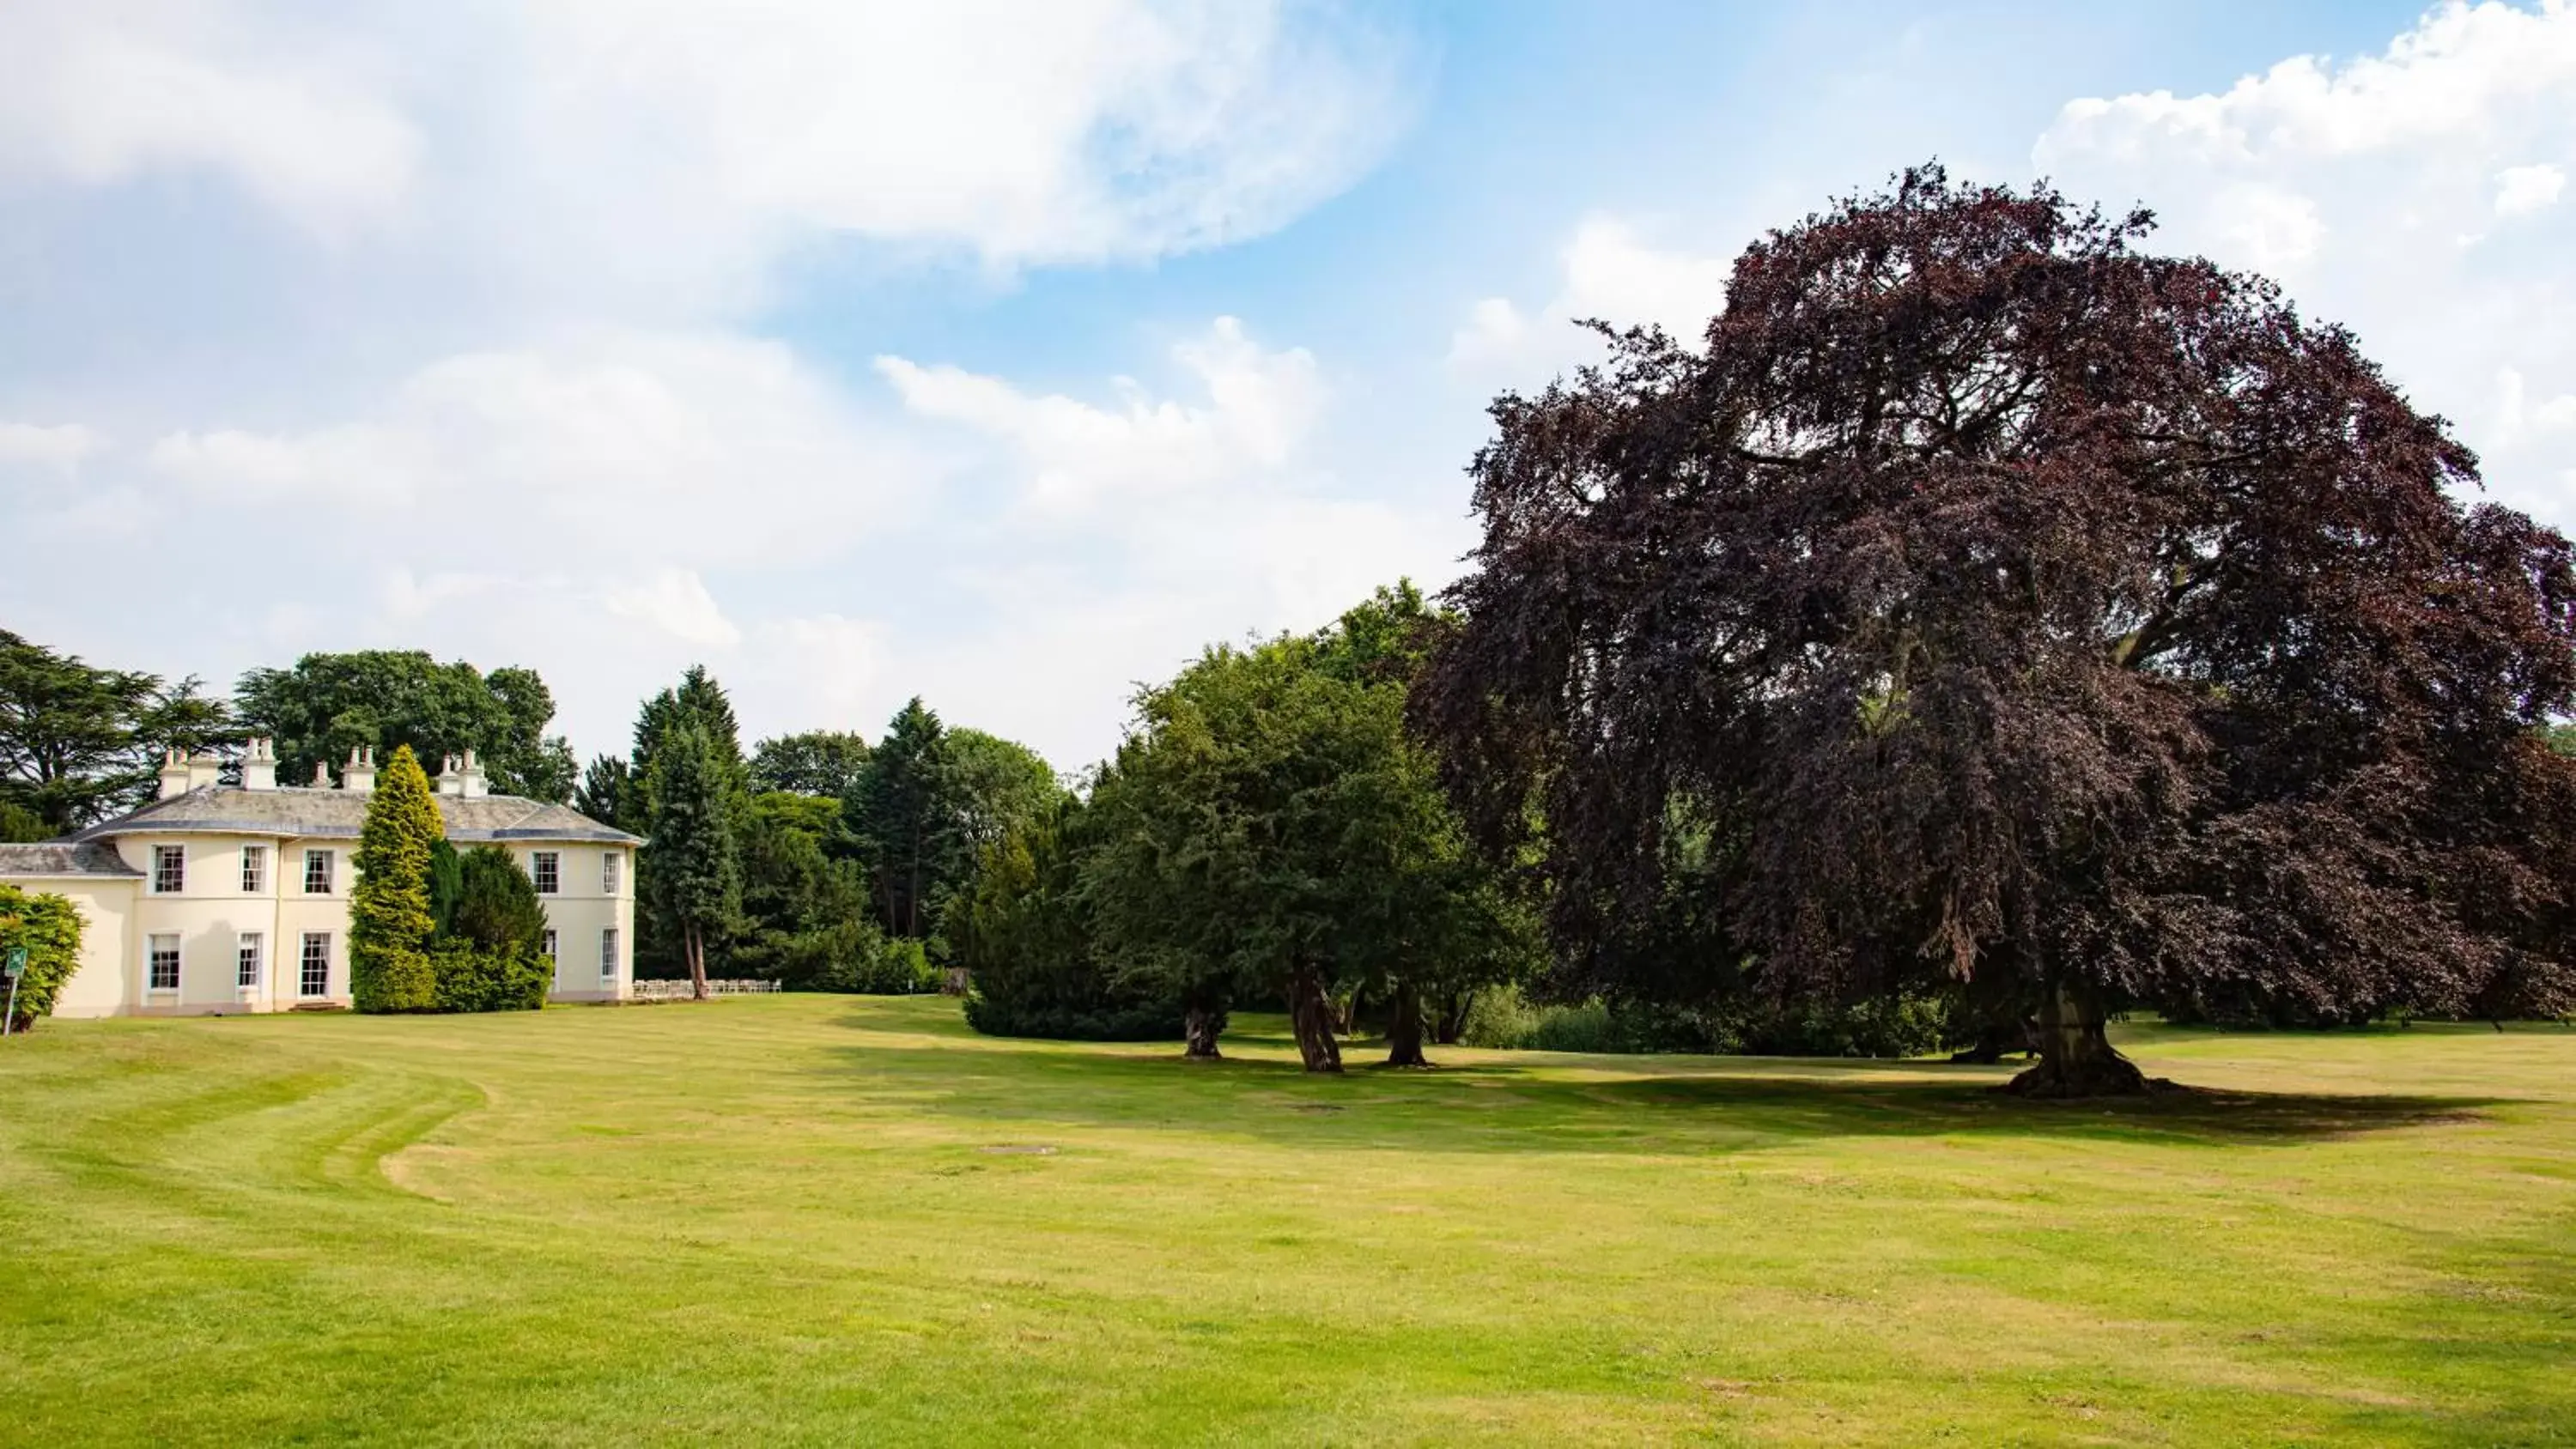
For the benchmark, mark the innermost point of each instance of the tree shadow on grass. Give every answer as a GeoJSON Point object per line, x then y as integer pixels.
{"type": "Point", "coordinates": [1638, 1105]}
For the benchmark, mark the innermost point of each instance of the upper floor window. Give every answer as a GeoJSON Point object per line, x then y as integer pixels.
{"type": "Point", "coordinates": [612, 866]}
{"type": "Point", "coordinates": [317, 872]}
{"type": "Point", "coordinates": [254, 869]}
{"type": "Point", "coordinates": [546, 867]}
{"type": "Point", "coordinates": [169, 869]}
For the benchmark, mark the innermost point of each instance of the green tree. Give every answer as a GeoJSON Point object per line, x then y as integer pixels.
{"type": "Point", "coordinates": [329, 704]}
{"type": "Point", "coordinates": [49, 926]}
{"type": "Point", "coordinates": [807, 921]}
{"type": "Point", "coordinates": [389, 915]}
{"type": "Point", "coordinates": [817, 762]}
{"type": "Point", "coordinates": [1025, 935]}
{"type": "Point", "coordinates": [693, 875]}
{"type": "Point", "coordinates": [490, 952]}
{"type": "Point", "coordinates": [697, 701]}
{"type": "Point", "coordinates": [904, 819]}
{"type": "Point", "coordinates": [606, 794]}
{"type": "Point", "coordinates": [1269, 826]}
{"type": "Point", "coordinates": [79, 744]}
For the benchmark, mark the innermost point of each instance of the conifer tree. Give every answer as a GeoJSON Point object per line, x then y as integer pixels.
{"type": "Point", "coordinates": [389, 915]}
{"type": "Point", "coordinates": [694, 879]}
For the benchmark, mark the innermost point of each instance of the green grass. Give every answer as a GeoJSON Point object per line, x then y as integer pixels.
{"type": "Point", "coordinates": [819, 1220]}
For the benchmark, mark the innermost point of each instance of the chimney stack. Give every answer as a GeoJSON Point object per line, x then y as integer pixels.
{"type": "Point", "coordinates": [204, 769]}
{"type": "Point", "coordinates": [321, 776]}
{"type": "Point", "coordinates": [259, 764]}
{"type": "Point", "coordinates": [360, 773]}
{"type": "Point", "coordinates": [451, 776]}
{"type": "Point", "coordinates": [472, 785]}
{"type": "Point", "coordinates": [174, 774]}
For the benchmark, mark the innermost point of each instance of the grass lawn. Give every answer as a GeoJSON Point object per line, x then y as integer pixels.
{"type": "Point", "coordinates": [833, 1220]}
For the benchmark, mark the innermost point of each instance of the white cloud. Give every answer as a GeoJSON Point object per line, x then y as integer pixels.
{"type": "Point", "coordinates": [2368, 187]}
{"type": "Point", "coordinates": [60, 448]}
{"type": "Point", "coordinates": [1151, 530]}
{"type": "Point", "coordinates": [1609, 273]}
{"type": "Point", "coordinates": [2521, 190]}
{"type": "Point", "coordinates": [676, 602]}
{"type": "Point", "coordinates": [98, 93]}
{"type": "Point", "coordinates": [688, 142]}
{"type": "Point", "coordinates": [1259, 405]}
{"type": "Point", "coordinates": [706, 447]}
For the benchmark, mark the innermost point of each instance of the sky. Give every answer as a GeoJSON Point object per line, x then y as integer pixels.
{"type": "Point", "coordinates": [1010, 354]}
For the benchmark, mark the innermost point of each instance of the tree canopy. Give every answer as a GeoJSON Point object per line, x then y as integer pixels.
{"type": "Point", "coordinates": [1268, 826]}
{"type": "Point", "coordinates": [1989, 600]}
{"type": "Point", "coordinates": [814, 762]}
{"type": "Point", "coordinates": [79, 743]}
{"type": "Point", "coordinates": [329, 704]}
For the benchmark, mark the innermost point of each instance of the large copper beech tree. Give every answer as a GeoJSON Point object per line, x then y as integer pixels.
{"type": "Point", "coordinates": [1991, 601]}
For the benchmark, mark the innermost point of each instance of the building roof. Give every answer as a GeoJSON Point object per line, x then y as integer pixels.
{"type": "Point", "coordinates": [291, 811]}
{"type": "Point", "coordinates": [63, 857]}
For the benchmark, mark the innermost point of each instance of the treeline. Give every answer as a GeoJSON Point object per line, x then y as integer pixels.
{"type": "Point", "coordinates": [820, 860]}
{"type": "Point", "coordinates": [80, 743]}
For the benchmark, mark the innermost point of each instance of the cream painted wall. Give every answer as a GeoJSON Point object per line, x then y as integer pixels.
{"type": "Point", "coordinates": [98, 986]}
{"type": "Point", "coordinates": [579, 910]}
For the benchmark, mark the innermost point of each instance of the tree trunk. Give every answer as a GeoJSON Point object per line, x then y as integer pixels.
{"type": "Point", "coordinates": [1404, 1035]}
{"type": "Point", "coordinates": [1312, 1016]}
{"type": "Point", "coordinates": [694, 946]}
{"type": "Point", "coordinates": [1199, 1026]}
{"type": "Point", "coordinates": [1449, 1023]}
{"type": "Point", "coordinates": [2076, 1058]}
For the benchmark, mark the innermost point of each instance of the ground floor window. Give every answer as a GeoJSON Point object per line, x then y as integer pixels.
{"type": "Point", "coordinates": [549, 946]}
{"type": "Point", "coordinates": [163, 960]}
{"type": "Point", "coordinates": [608, 954]}
{"type": "Point", "coordinates": [316, 977]}
{"type": "Point", "coordinates": [252, 951]}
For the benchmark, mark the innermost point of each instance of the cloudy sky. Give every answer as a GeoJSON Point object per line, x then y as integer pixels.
{"type": "Point", "coordinates": [1006, 353]}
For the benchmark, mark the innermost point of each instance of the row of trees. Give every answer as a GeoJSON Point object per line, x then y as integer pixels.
{"type": "Point", "coordinates": [819, 860]}
{"type": "Point", "coordinates": [80, 743]}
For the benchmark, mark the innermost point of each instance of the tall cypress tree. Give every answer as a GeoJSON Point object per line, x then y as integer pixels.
{"type": "Point", "coordinates": [693, 879]}
{"type": "Point", "coordinates": [389, 915]}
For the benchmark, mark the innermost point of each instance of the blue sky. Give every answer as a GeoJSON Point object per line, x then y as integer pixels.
{"type": "Point", "coordinates": [1008, 354]}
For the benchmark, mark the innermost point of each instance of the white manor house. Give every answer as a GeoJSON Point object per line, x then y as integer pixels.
{"type": "Point", "coordinates": [225, 898]}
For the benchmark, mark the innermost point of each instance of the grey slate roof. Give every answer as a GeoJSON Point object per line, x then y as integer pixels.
{"type": "Point", "coordinates": [64, 857]}
{"type": "Point", "coordinates": [232, 810]}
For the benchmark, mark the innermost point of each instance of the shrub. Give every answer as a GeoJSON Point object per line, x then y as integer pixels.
{"type": "Point", "coordinates": [850, 956]}
{"type": "Point", "coordinates": [50, 928]}
{"type": "Point", "coordinates": [481, 978]}
{"type": "Point", "coordinates": [1498, 1016]}
{"type": "Point", "coordinates": [1900, 1026]}
{"type": "Point", "coordinates": [1143, 1021]}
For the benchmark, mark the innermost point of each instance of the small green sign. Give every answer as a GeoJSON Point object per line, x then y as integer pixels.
{"type": "Point", "coordinates": [15, 963]}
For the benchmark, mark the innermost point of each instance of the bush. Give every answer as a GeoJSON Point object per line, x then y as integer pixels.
{"type": "Point", "coordinates": [1902, 1026]}
{"type": "Point", "coordinates": [856, 958]}
{"type": "Point", "coordinates": [1147, 1021]}
{"type": "Point", "coordinates": [480, 978]}
{"type": "Point", "coordinates": [50, 928]}
{"type": "Point", "coordinates": [489, 952]}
